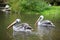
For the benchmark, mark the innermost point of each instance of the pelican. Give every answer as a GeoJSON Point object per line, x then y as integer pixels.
{"type": "Point", "coordinates": [44, 23]}
{"type": "Point", "coordinates": [44, 27]}
{"type": "Point", "coordinates": [20, 29]}
{"type": "Point", "coordinates": [6, 8]}
{"type": "Point", "coordinates": [18, 26]}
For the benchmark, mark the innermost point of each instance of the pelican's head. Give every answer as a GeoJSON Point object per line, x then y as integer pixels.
{"type": "Point", "coordinates": [7, 6]}
{"type": "Point", "coordinates": [41, 17]}
{"type": "Point", "coordinates": [15, 22]}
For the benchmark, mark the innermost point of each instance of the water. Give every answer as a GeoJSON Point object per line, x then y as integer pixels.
{"type": "Point", "coordinates": [8, 18]}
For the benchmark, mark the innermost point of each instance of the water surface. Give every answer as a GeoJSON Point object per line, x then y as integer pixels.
{"type": "Point", "coordinates": [8, 18]}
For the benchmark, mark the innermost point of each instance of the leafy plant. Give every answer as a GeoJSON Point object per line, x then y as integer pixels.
{"type": "Point", "coordinates": [28, 5]}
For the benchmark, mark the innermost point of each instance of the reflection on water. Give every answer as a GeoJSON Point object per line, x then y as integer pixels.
{"type": "Point", "coordinates": [6, 19]}
{"type": "Point", "coordinates": [21, 35]}
{"type": "Point", "coordinates": [45, 33]}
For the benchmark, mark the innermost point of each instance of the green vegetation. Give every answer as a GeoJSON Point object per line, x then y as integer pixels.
{"type": "Point", "coordinates": [25, 6]}
{"type": "Point", "coordinates": [33, 6]}
{"type": "Point", "coordinates": [53, 10]}
{"type": "Point", "coordinates": [52, 13]}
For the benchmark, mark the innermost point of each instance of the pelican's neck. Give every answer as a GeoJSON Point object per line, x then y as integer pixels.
{"type": "Point", "coordinates": [39, 21]}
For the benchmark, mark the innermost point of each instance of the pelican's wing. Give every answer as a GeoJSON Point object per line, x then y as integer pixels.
{"type": "Point", "coordinates": [46, 22]}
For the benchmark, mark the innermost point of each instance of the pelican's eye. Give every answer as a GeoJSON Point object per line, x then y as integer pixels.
{"type": "Point", "coordinates": [40, 17]}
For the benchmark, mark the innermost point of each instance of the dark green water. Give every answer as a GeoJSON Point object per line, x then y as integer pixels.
{"type": "Point", "coordinates": [8, 18]}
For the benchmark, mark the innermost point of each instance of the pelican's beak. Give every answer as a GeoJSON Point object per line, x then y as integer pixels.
{"type": "Point", "coordinates": [11, 24]}
{"type": "Point", "coordinates": [53, 26]}
{"type": "Point", "coordinates": [37, 21]}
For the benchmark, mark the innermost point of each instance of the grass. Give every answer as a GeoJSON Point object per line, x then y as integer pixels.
{"type": "Point", "coordinates": [52, 13]}
{"type": "Point", "coordinates": [53, 9]}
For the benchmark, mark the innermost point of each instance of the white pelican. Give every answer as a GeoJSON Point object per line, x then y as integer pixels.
{"type": "Point", "coordinates": [7, 8]}
{"type": "Point", "coordinates": [44, 23]}
{"type": "Point", "coordinates": [18, 26]}
{"type": "Point", "coordinates": [44, 26]}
